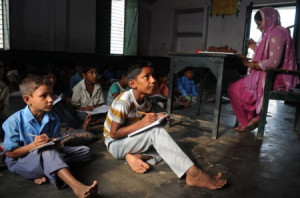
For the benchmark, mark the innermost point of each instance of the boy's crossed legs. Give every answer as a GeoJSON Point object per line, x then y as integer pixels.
{"type": "Point", "coordinates": [134, 150]}
{"type": "Point", "coordinates": [53, 168]}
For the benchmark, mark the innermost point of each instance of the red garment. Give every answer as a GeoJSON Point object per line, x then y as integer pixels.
{"type": "Point", "coordinates": [164, 89]}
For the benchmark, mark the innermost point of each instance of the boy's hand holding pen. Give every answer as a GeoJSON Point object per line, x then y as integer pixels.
{"type": "Point", "coordinates": [39, 139]}
{"type": "Point", "coordinates": [150, 117]}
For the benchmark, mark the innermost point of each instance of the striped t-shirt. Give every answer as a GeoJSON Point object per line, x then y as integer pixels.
{"type": "Point", "coordinates": [124, 111]}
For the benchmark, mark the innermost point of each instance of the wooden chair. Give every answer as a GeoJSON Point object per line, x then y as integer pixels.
{"type": "Point", "coordinates": [288, 96]}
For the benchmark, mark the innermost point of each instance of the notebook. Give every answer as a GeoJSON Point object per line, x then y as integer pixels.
{"type": "Point", "coordinates": [49, 143]}
{"type": "Point", "coordinates": [157, 122]}
{"type": "Point", "coordinates": [98, 110]}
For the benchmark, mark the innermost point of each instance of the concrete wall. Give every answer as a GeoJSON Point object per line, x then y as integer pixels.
{"type": "Point", "coordinates": [221, 30]}
{"type": "Point", "coordinates": [70, 25]}
{"type": "Point", "coordinates": [53, 25]}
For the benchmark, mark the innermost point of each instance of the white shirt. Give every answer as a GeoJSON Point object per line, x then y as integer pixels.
{"type": "Point", "coordinates": [82, 98]}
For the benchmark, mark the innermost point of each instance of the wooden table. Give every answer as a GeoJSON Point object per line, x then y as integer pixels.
{"type": "Point", "coordinates": [215, 63]}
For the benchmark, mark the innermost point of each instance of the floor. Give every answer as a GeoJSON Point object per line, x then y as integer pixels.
{"type": "Point", "coordinates": [254, 168]}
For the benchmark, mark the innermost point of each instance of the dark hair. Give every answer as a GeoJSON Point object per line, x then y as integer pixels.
{"type": "Point", "coordinates": [120, 73]}
{"type": "Point", "coordinates": [188, 69]}
{"type": "Point", "coordinates": [31, 83]}
{"type": "Point", "coordinates": [47, 69]}
{"type": "Point", "coordinates": [86, 68]}
{"type": "Point", "coordinates": [136, 67]}
{"type": "Point", "coordinates": [257, 16]}
{"type": "Point", "coordinates": [162, 73]}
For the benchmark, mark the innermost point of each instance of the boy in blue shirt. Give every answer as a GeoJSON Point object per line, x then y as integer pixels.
{"type": "Point", "coordinates": [34, 126]}
{"type": "Point", "coordinates": [187, 86]}
{"type": "Point", "coordinates": [124, 117]}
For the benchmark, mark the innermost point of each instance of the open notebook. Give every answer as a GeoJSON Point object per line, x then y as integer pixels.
{"type": "Point", "coordinates": [149, 126]}
{"type": "Point", "coordinates": [98, 110]}
{"type": "Point", "coordinates": [49, 143]}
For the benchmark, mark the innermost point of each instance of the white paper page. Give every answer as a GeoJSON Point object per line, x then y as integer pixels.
{"type": "Point", "coordinates": [57, 99]}
{"type": "Point", "coordinates": [149, 126]}
{"type": "Point", "coordinates": [98, 110]}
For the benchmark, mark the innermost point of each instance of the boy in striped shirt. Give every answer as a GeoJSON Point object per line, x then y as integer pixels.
{"type": "Point", "coordinates": [123, 118]}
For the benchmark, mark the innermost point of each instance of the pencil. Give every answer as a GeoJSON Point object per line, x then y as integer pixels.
{"type": "Point", "coordinates": [140, 112]}
{"type": "Point", "coordinates": [32, 135]}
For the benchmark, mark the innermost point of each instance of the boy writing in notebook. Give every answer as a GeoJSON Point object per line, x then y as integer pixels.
{"type": "Point", "coordinates": [123, 119]}
{"type": "Point", "coordinates": [34, 126]}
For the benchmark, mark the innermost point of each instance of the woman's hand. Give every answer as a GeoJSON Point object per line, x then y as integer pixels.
{"type": "Point", "coordinates": [243, 57]}
{"type": "Point", "coordinates": [253, 65]}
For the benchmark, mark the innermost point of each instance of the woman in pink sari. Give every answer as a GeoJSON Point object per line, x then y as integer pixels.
{"type": "Point", "coordinates": [275, 50]}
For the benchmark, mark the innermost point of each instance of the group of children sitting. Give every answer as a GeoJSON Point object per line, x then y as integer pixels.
{"type": "Point", "coordinates": [38, 123]}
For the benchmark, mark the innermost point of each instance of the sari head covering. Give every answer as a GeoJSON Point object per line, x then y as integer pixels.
{"type": "Point", "coordinates": [255, 81]}
{"type": "Point", "coordinates": [270, 19]}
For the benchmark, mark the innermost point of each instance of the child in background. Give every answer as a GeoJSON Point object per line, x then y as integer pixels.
{"type": "Point", "coordinates": [63, 108]}
{"type": "Point", "coordinates": [76, 78]}
{"type": "Point", "coordinates": [87, 94]}
{"type": "Point", "coordinates": [161, 85]}
{"type": "Point", "coordinates": [116, 88]}
{"type": "Point", "coordinates": [186, 85]}
{"type": "Point", "coordinates": [180, 100]}
{"type": "Point", "coordinates": [161, 91]}
{"type": "Point", "coordinates": [109, 74]}
{"type": "Point", "coordinates": [47, 163]}
{"type": "Point", "coordinates": [123, 118]}
{"type": "Point", "coordinates": [4, 97]}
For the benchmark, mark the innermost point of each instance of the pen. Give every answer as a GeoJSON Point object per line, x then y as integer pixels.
{"type": "Point", "coordinates": [140, 112]}
{"type": "Point", "coordinates": [32, 135]}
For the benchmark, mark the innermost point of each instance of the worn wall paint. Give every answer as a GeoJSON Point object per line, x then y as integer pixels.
{"type": "Point", "coordinates": [70, 25]}
{"type": "Point", "coordinates": [227, 30]}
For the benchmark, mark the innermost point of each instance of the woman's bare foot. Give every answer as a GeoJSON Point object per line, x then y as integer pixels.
{"type": "Point", "coordinates": [196, 177]}
{"type": "Point", "coordinates": [136, 162]}
{"type": "Point", "coordinates": [239, 128]}
{"type": "Point", "coordinates": [83, 191]}
{"type": "Point", "coordinates": [40, 181]}
{"type": "Point", "coordinates": [253, 124]}
{"type": "Point", "coordinates": [86, 123]}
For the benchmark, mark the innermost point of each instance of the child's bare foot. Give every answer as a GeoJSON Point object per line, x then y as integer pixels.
{"type": "Point", "coordinates": [86, 123]}
{"type": "Point", "coordinates": [196, 177]}
{"type": "Point", "coordinates": [40, 181]}
{"type": "Point", "coordinates": [136, 163]}
{"type": "Point", "coordinates": [83, 191]}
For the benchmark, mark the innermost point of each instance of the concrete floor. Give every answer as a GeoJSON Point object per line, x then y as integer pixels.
{"type": "Point", "coordinates": [254, 168]}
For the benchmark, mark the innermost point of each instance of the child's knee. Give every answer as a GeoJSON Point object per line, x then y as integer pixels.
{"type": "Point", "coordinates": [160, 131]}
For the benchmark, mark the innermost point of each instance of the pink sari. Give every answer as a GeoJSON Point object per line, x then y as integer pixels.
{"type": "Point", "coordinates": [275, 50]}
